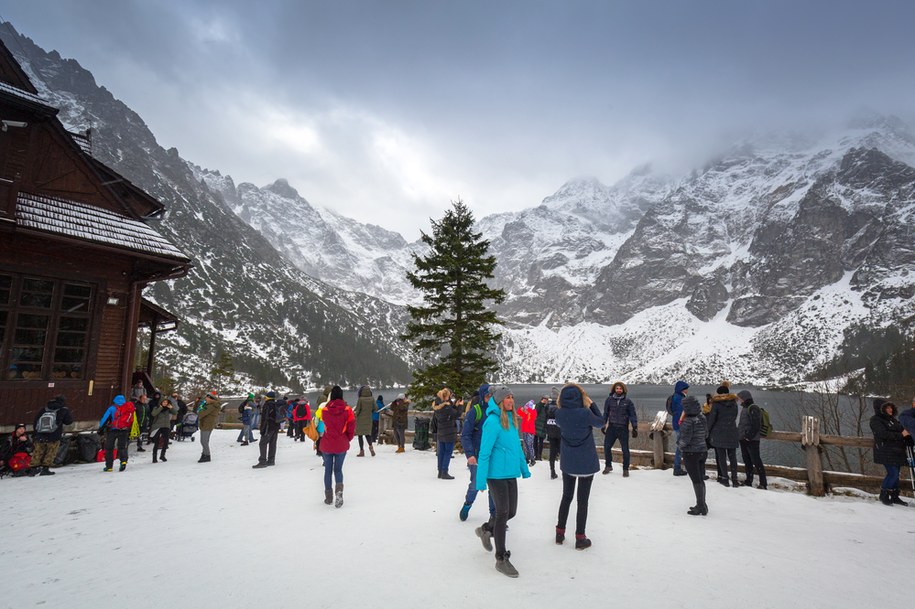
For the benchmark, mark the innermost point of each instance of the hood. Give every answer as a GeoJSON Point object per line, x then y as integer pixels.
{"type": "Point", "coordinates": [573, 396]}
{"type": "Point", "coordinates": [880, 404]}
{"type": "Point", "coordinates": [443, 395]}
{"type": "Point", "coordinates": [57, 403]}
{"type": "Point", "coordinates": [724, 397]}
{"type": "Point", "coordinates": [492, 408]}
{"type": "Point", "coordinates": [483, 390]}
{"type": "Point", "coordinates": [691, 406]}
{"type": "Point", "coordinates": [365, 391]}
{"type": "Point", "coordinates": [618, 384]}
{"type": "Point", "coordinates": [681, 386]}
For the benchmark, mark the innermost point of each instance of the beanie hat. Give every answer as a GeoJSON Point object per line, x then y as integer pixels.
{"type": "Point", "coordinates": [119, 400]}
{"type": "Point", "coordinates": [336, 393]}
{"type": "Point", "coordinates": [745, 395]}
{"type": "Point", "coordinates": [250, 396]}
{"type": "Point", "coordinates": [271, 395]}
{"type": "Point", "coordinates": [400, 396]}
{"type": "Point", "coordinates": [501, 393]}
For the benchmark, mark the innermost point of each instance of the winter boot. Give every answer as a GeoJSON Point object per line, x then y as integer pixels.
{"type": "Point", "coordinates": [504, 566]}
{"type": "Point", "coordinates": [485, 536]}
{"type": "Point", "coordinates": [328, 496]}
{"type": "Point", "coordinates": [582, 542]}
{"type": "Point", "coordinates": [723, 481]}
{"type": "Point", "coordinates": [371, 449]}
{"type": "Point", "coordinates": [202, 459]}
{"type": "Point", "coordinates": [894, 496]}
{"type": "Point", "coordinates": [361, 453]}
{"type": "Point", "coordinates": [465, 511]}
{"type": "Point", "coordinates": [679, 472]}
{"type": "Point", "coordinates": [123, 466]}
{"type": "Point", "coordinates": [608, 469]}
{"type": "Point", "coordinates": [259, 465]}
{"type": "Point", "coordinates": [885, 497]}
{"type": "Point", "coordinates": [560, 535]}
{"type": "Point", "coordinates": [700, 509]}
{"type": "Point", "coordinates": [338, 496]}
{"type": "Point", "coordinates": [162, 456]}
{"type": "Point", "coordinates": [625, 472]}
{"type": "Point", "coordinates": [155, 456]}
{"type": "Point", "coordinates": [735, 482]}
{"type": "Point", "coordinates": [446, 476]}
{"type": "Point", "coordinates": [245, 443]}
{"type": "Point", "coordinates": [46, 471]}
{"type": "Point", "coordinates": [439, 474]}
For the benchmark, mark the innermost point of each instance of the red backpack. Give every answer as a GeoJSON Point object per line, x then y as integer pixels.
{"type": "Point", "coordinates": [19, 462]}
{"type": "Point", "coordinates": [123, 416]}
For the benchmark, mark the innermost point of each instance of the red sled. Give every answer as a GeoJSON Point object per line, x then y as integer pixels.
{"type": "Point", "coordinates": [100, 455]}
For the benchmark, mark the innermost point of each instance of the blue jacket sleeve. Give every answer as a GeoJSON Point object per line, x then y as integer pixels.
{"type": "Point", "coordinates": [907, 418]}
{"type": "Point", "coordinates": [106, 417]}
{"type": "Point", "coordinates": [676, 406]}
{"type": "Point", "coordinates": [595, 419]}
{"type": "Point", "coordinates": [487, 442]}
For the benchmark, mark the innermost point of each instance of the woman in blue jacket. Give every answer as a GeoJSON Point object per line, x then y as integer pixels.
{"type": "Point", "coordinates": [577, 416]}
{"type": "Point", "coordinates": [499, 465]}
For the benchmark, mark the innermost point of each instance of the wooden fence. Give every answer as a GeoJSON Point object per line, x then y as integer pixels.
{"type": "Point", "coordinates": [818, 481]}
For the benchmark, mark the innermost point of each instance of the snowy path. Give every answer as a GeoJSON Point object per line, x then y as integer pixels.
{"type": "Point", "coordinates": [182, 534]}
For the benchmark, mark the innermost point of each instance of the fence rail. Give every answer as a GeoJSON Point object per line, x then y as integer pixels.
{"type": "Point", "coordinates": [817, 480]}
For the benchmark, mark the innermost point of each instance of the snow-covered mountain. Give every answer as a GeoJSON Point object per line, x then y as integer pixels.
{"type": "Point", "coordinates": [758, 267]}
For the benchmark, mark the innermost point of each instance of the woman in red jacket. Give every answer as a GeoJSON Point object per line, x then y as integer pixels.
{"type": "Point", "coordinates": [339, 429]}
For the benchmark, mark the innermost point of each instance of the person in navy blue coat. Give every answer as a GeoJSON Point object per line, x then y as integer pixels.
{"type": "Point", "coordinates": [676, 413]}
{"type": "Point", "coordinates": [577, 416]}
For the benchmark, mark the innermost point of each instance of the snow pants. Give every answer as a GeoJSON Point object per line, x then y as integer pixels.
{"type": "Point", "coordinates": [120, 436]}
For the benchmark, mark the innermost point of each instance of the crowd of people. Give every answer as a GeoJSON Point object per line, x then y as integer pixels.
{"type": "Point", "coordinates": [500, 441]}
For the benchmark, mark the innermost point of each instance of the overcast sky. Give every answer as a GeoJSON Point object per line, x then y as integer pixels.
{"type": "Point", "coordinates": [385, 111]}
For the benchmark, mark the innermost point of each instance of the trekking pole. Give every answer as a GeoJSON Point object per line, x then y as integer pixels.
{"type": "Point", "coordinates": [911, 450]}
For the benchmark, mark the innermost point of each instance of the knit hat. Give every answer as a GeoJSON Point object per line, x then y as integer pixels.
{"type": "Point", "coordinates": [212, 395]}
{"type": "Point", "coordinates": [271, 395]}
{"type": "Point", "coordinates": [336, 393]}
{"type": "Point", "coordinates": [250, 396]}
{"type": "Point", "coordinates": [400, 396]}
{"type": "Point", "coordinates": [744, 395]}
{"type": "Point", "coordinates": [501, 393]}
{"type": "Point", "coordinates": [119, 400]}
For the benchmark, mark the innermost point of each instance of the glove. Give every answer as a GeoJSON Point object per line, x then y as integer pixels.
{"type": "Point", "coordinates": [635, 432]}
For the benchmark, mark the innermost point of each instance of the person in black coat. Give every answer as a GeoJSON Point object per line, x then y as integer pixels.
{"type": "Point", "coordinates": [889, 449]}
{"type": "Point", "coordinates": [552, 431]}
{"type": "Point", "coordinates": [722, 428]}
{"type": "Point", "coordinates": [691, 442]}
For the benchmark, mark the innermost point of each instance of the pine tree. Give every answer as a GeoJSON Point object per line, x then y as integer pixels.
{"type": "Point", "coordinates": [223, 367]}
{"type": "Point", "coordinates": [453, 329]}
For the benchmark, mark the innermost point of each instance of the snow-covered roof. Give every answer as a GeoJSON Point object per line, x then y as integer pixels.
{"type": "Point", "coordinates": [25, 95]}
{"type": "Point", "coordinates": [91, 223]}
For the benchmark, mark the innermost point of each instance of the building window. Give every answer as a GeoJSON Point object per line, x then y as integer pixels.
{"type": "Point", "coordinates": [44, 327]}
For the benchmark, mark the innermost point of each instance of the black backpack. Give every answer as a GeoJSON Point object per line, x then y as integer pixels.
{"type": "Point", "coordinates": [670, 404]}
{"type": "Point", "coordinates": [279, 411]}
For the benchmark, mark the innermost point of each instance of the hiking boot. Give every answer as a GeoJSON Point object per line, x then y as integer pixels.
{"type": "Point", "coordinates": [107, 469]}
{"type": "Point", "coordinates": [259, 465]}
{"type": "Point", "coordinates": [723, 481]}
{"type": "Point", "coordinates": [271, 463]}
{"type": "Point", "coordinates": [465, 511]}
{"type": "Point", "coordinates": [371, 449]}
{"type": "Point", "coordinates": [162, 458]}
{"type": "Point", "coordinates": [361, 453]}
{"type": "Point", "coordinates": [734, 482]}
{"type": "Point", "coordinates": [439, 474]}
{"type": "Point", "coordinates": [679, 472]}
{"type": "Point", "coordinates": [885, 497]}
{"type": "Point", "coordinates": [625, 472]}
{"type": "Point", "coordinates": [123, 466]}
{"type": "Point", "coordinates": [202, 459]}
{"type": "Point", "coordinates": [894, 495]}
{"type": "Point", "coordinates": [582, 542]}
{"type": "Point", "coordinates": [244, 443]}
{"type": "Point", "coordinates": [607, 470]}
{"type": "Point", "coordinates": [140, 449]}
{"type": "Point", "coordinates": [328, 496]}
{"type": "Point", "coordinates": [46, 471]}
{"type": "Point", "coordinates": [485, 537]}
{"type": "Point", "coordinates": [338, 496]}
{"type": "Point", "coordinates": [155, 458]}
{"type": "Point", "coordinates": [560, 535]}
{"type": "Point", "coordinates": [505, 567]}
{"type": "Point", "coordinates": [446, 476]}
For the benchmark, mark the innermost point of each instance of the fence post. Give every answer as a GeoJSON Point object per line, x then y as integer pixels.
{"type": "Point", "coordinates": [810, 440]}
{"type": "Point", "coordinates": [658, 439]}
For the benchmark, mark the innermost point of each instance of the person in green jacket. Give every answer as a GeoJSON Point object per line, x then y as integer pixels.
{"type": "Point", "coordinates": [500, 463]}
{"type": "Point", "coordinates": [208, 415]}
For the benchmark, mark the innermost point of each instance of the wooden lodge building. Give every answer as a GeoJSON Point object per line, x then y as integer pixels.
{"type": "Point", "coordinates": [75, 255]}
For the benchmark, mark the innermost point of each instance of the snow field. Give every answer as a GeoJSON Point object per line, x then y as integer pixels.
{"type": "Point", "coordinates": [221, 534]}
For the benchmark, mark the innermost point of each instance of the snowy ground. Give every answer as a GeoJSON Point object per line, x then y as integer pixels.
{"type": "Point", "coordinates": [221, 534]}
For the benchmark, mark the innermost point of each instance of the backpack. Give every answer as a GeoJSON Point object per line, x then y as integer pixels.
{"type": "Point", "coordinates": [669, 406]}
{"type": "Point", "coordinates": [765, 426]}
{"type": "Point", "coordinates": [241, 408]}
{"type": "Point", "coordinates": [279, 411]}
{"type": "Point", "coordinates": [47, 422]}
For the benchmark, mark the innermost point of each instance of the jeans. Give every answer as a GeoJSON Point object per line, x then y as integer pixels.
{"type": "Point", "coordinates": [891, 481]}
{"type": "Point", "coordinates": [444, 455]}
{"type": "Point", "coordinates": [504, 493]}
{"type": "Point", "coordinates": [538, 447]}
{"type": "Point", "coordinates": [333, 465]}
{"type": "Point", "coordinates": [245, 432]}
{"type": "Point", "coordinates": [400, 435]}
{"type": "Point", "coordinates": [615, 433]}
{"type": "Point", "coordinates": [472, 490]}
{"type": "Point", "coordinates": [749, 450]}
{"type": "Point", "coordinates": [584, 493]}
{"type": "Point", "coordinates": [205, 441]}
{"type": "Point", "coordinates": [677, 453]}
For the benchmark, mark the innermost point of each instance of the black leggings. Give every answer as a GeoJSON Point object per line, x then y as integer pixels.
{"type": "Point", "coordinates": [554, 452]}
{"type": "Point", "coordinates": [367, 439]}
{"type": "Point", "coordinates": [160, 439]}
{"type": "Point", "coordinates": [504, 494]}
{"type": "Point", "coordinates": [693, 463]}
{"type": "Point", "coordinates": [584, 493]}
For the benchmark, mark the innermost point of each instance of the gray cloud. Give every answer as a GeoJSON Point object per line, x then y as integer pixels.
{"type": "Point", "coordinates": [386, 110]}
